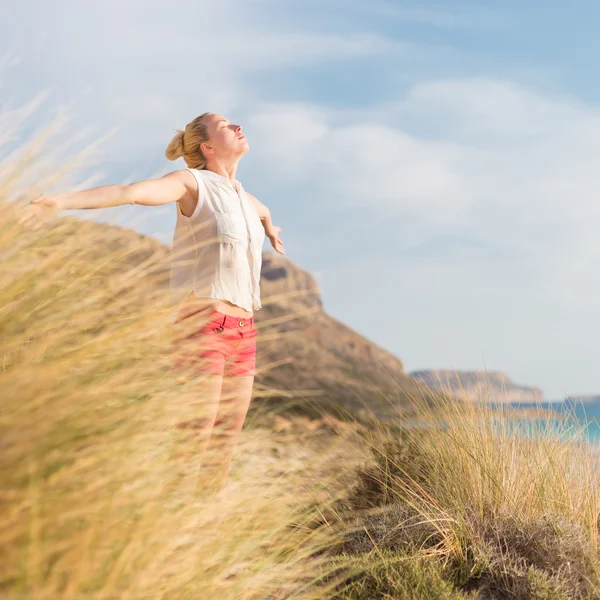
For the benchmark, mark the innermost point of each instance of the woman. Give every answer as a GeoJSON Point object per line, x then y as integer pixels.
{"type": "Point", "coordinates": [216, 261]}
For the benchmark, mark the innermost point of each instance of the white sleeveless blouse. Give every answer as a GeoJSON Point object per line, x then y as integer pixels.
{"type": "Point", "coordinates": [217, 252]}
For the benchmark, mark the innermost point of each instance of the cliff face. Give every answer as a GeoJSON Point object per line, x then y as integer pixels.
{"type": "Point", "coordinates": [320, 354]}
{"type": "Point", "coordinates": [478, 386]}
{"type": "Point", "coordinates": [284, 283]}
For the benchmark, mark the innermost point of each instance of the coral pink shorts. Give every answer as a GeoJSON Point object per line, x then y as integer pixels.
{"type": "Point", "coordinates": [208, 341]}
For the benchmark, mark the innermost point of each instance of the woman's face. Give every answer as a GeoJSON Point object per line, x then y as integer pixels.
{"type": "Point", "coordinates": [225, 138]}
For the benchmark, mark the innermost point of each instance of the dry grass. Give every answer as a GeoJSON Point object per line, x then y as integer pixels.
{"type": "Point", "coordinates": [497, 511]}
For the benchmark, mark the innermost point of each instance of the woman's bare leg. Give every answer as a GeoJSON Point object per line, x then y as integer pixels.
{"type": "Point", "coordinates": [196, 416]}
{"type": "Point", "coordinates": [233, 407]}
{"type": "Point", "coordinates": [200, 413]}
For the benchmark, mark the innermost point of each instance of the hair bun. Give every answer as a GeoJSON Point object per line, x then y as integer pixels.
{"type": "Point", "coordinates": [175, 148]}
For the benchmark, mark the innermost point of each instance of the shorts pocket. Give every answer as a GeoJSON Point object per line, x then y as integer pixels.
{"type": "Point", "coordinates": [215, 325]}
{"type": "Point", "coordinates": [229, 228]}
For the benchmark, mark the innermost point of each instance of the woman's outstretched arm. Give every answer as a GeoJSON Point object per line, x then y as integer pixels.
{"type": "Point", "coordinates": [150, 192]}
{"type": "Point", "coordinates": [271, 231]}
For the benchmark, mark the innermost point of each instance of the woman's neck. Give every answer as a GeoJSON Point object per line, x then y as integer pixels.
{"type": "Point", "coordinates": [224, 168]}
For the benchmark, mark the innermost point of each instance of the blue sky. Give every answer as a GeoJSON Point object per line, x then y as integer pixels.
{"type": "Point", "coordinates": [433, 163]}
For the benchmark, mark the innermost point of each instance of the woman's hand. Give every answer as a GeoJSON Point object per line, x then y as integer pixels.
{"type": "Point", "coordinates": [39, 209]}
{"type": "Point", "coordinates": [273, 235]}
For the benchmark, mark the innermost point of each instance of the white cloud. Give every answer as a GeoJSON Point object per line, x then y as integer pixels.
{"type": "Point", "coordinates": [150, 68]}
{"type": "Point", "coordinates": [492, 111]}
{"type": "Point", "coordinates": [511, 166]}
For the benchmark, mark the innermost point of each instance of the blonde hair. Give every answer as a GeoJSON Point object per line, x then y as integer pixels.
{"type": "Point", "coordinates": [186, 143]}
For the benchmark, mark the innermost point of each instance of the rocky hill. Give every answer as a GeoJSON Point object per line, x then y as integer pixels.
{"type": "Point", "coordinates": [480, 386]}
{"type": "Point", "coordinates": [328, 364]}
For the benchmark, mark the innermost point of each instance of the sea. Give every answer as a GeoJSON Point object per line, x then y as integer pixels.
{"type": "Point", "coordinates": [582, 415]}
